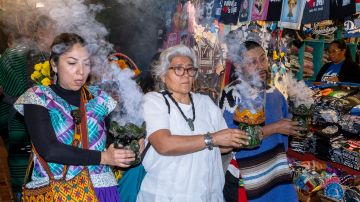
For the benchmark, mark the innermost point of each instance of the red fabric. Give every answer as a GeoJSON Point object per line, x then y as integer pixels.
{"type": "Point", "coordinates": [241, 190]}
{"type": "Point", "coordinates": [242, 195]}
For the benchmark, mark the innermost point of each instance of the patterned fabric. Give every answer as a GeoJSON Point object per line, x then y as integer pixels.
{"type": "Point", "coordinates": [59, 110]}
{"type": "Point", "coordinates": [275, 109]}
{"type": "Point", "coordinates": [265, 170]}
{"type": "Point", "coordinates": [77, 189]}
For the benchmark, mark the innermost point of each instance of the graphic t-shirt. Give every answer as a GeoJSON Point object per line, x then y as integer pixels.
{"type": "Point", "coordinates": [339, 9]}
{"type": "Point", "coordinates": [230, 11]}
{"type": "Point", "coordinates": [274, 10]}
{"type": "Point", "coordinates": [245, 10]}
{"type": "Point", "coordinates": [316, 11]}
{"type": "Point", "coordinates": [332, 71]}
{"type": "Point", "coordinates": [259, 9]}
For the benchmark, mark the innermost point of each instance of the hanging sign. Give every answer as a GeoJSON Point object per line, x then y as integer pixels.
{"type": "Point", "coordinates": [352, 27]}
{"type": "Point", "coordinates": [325, 27]}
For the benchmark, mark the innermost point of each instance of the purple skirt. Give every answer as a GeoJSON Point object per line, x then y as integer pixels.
{"type": "Point", "coordinates": [107, 194]}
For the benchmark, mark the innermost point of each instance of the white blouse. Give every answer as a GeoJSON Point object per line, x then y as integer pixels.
{"type": "Point", "coordinates": [192, 177]}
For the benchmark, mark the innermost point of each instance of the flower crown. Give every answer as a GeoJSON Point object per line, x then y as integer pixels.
{"type": "Point", "coordinates": [41, 74]}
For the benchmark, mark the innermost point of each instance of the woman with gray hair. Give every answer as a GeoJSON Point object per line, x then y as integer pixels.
{"type": "Point", "coordinates": [187, 132]}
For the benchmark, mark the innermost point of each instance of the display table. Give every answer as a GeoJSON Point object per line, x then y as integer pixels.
{"type": "Point", "coordinates": [309, 157]}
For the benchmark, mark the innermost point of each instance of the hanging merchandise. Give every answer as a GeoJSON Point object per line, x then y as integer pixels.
{"type": "Point", "coordinates": [316, 10]}
{"type": "Point", "coordinates": [245, 10]}
{"type": "Point", "coordinates": [325, 27]}
{"type": "Point", "coordinates": [230, 11]}
{"type": "Point", "coordinates": [168, 9]}
{"type": "Point", "coordinates": [357, 6]}
{"type": "Point", "coordinates": [352, 27]}
{"type": "Point", "coordinates": [292, 13]}
{"type": "Point", "coordinates": [339, 9]}
{"type": "Point", "coordinates": [259, 9]}
{"type": "Point", "coordinates": [274, 10]}
{"type": "Point", "coordinates": [208, 11]}
{"type": "Point", "coordinates": [217, 8]}
{"type": "Point", "coordinates": [208, 50]}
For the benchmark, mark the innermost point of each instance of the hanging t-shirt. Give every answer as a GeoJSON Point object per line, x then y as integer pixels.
{"type": "Point", "coordinates": [274, 10]}
{"type": "Point", "coordinates": [339, 9]}
{"type": "Point", "coordinates": [259, 9]}
{"type": "Point", "coordinates": [209, 11]}
{"type": "Point", "coordinates": [217, 9]}
{"type": "Point", "coordinates": [332, 71]}
{"type": "Point", "coordinates": [352, 27]}
{"type": "Point", "coordinates": [316, 11]}
{"type": "Point", "coordinates": [245, 10]}
{"type": "Point", "coordinates": [230, 11]}
{"type": "Point", "coordinates": [292, 13]}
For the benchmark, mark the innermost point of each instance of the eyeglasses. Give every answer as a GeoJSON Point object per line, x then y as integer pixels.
{"type": "Point", "coordinates": [332, 51]}
{"type": "Point", "coordinates": [252, 62]}
{"type": "Point", "coordinates": [180, 70]}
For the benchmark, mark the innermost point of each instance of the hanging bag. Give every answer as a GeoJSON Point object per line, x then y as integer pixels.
{"type": "Point", "coordinates": [76, 189]}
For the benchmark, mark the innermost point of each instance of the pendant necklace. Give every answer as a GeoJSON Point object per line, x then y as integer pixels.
{"type": "Point", "coordinates": [189, 121]}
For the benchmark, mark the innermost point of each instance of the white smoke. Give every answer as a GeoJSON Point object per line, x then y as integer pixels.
{"type": "Point", "coordinates": [80, 17]}
{"type": "Point", "coordinates": [298, 92]}
{"type": "Point", "coordinates": [123, 88]}
{"type": "Point", "coordinates": [252, 90]}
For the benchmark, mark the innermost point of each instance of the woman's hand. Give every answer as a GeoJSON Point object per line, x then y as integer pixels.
{"type": "Point", "coordinates": [284, 126]}
{"type": "Point", "coordinates": [117, 157]}
{"type": "Point", "coordinates": [230, 138]}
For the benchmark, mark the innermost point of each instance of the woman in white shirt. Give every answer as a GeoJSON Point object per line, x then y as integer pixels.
{"type": "Point", "coordinates": [187, 132]}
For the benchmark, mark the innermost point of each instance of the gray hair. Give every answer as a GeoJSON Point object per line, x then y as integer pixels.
{"type": "Point", "coordinates": [162, 66]}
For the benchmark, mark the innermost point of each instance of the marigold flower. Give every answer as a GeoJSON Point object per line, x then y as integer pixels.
{"type": "Point", "coordinates": [32, 77]}
{"type": "Point", "coordinates": [38, 67]}
{"type": "Point", "coordinates": [36, 74]}
{"type": "Point", "coordinates": [46, 82]}
{"type": "Point", "coordinates": [122, 64]}
{"type": "Point", "coordinates": [45, 72]}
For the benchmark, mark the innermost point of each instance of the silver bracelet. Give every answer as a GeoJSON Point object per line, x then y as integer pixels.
{"type": "Point", "coordinates": [208, 141]}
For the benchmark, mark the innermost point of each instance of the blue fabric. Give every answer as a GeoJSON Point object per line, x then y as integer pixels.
{"type": "Point", "coordinates": [130, 182]}
{"type": "Point", "coordinates": [332, 71]}
{"type": "Point", "coordinates": [276, 108]}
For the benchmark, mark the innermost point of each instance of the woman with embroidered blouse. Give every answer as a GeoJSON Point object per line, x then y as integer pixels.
{"type": "Point", "coordinates": [186, 131]}
{"type": "Point", "coordinates": [48, 116]}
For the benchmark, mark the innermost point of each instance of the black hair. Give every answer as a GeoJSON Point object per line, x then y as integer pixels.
{"type": "Point", "coordinates": [63, 43]}
{"type": "Point", "coordinates": [147, 83]}
{"type": "Point", "coordinates": [249, 45]}
{"type": "Point", "coordinates": [341, 44]}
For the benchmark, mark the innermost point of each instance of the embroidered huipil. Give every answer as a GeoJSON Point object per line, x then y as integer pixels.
{"type": "Point", "coordinates": [96, 111]}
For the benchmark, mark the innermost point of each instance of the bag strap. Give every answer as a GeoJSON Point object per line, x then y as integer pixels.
{"type": "Point", "coordinates": [145, 150]}
{"type": "Point", "coordinates": [85, 96]}
{"type": "Point", "coordinates": [80, 134]}
{"type": "Point", "coordinates": [163, 93]}
{"type": "Point", "coordinates": [28, 169]}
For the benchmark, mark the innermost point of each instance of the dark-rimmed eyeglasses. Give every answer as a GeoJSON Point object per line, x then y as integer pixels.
{"type": "Point", "coordinates": [333, 51]}
{"type": "Point", "coordinates": [180, 70]}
